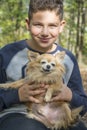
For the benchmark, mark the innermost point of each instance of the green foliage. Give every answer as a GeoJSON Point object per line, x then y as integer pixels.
{"type": "Point", "coordinates": [13, 27]}
{"type": "Point", "coordinates": [76, 26]}
{"type": "Point", "coordinates": [12, 21]}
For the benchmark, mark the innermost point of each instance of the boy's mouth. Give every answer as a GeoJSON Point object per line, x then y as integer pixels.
{"type": "Point", "coordinates": [45, 40]}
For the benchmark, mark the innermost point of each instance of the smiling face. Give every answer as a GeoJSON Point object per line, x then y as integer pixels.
{"type": "Point", "coordinates": [44, 28]}
{"type": "Point", "coordinates": [45, 68]}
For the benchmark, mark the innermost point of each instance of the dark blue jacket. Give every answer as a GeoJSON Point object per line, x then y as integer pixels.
{"type": "Point", "coordinates": [13, 60]}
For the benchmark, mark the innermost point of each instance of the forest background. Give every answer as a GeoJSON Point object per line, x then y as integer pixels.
{"type": "Point", "coordinates": [12, 25]}
{"type": "Point", "coordinates": [13, 14]}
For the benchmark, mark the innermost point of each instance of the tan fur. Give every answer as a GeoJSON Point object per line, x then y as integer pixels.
{"type": "Point", "coordinates": [47, 69]}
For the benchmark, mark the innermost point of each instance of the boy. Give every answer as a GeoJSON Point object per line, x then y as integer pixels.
{"type": "Point", "coordinates": [44, 24]}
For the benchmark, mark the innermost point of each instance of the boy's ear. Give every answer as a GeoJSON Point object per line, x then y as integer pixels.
{"type": "Point", "coordinates": [27, 23]}
{"type": "Point", "coordinates": [62, 24]}
{"type": "Point", "coordinates": [32, 55]}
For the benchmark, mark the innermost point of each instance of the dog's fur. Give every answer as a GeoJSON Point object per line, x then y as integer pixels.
{"type": "Point", "coordinates": [47, 69]}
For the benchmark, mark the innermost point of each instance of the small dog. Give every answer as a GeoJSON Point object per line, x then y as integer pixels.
{"type": "Point", "coordinates": [47, 69]}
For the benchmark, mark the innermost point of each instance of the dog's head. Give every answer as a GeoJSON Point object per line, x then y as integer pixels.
{"type": "Point", "coordinates": [45, 64]}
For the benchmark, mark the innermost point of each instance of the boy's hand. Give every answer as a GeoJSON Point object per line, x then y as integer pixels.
{"type": "Point", "coordinates": [64, 95]}
{"type": "Point", "coordinates": [28, 92]}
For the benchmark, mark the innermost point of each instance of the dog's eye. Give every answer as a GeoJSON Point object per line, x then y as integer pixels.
{"type": "Point", "coordinates": [43, 62]}
{"type": "Point", "coordinates": [53, 64]}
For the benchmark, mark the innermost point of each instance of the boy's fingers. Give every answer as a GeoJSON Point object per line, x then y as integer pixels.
{"type": "Point", "coordinates": [54, 99]}
{"type": "Point", "coordinates": [36, 92]}
{"type": "Point", "coordinates": [32, 99]}
{"type": "Point", "coordinates": [33, 87]}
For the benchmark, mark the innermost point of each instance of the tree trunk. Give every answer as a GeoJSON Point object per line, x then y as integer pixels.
{"type": "Point", "coordinates": [78, 31]}
{"type": "Point", "coordinates": [83, 13]}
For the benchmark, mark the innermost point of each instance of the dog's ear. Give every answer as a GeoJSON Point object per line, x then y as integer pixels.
{"type": "Point", "coordinates": [60, 56]}
{"type": "Point", "coordinates": [32, 55]}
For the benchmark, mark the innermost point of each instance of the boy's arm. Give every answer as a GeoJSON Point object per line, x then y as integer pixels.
{"type": "Point", "coordinates": [79, 97]}
{"type": "Point", "coordinates": [7, 96]}
{"type": "Point", "coordinates": [73, 92]}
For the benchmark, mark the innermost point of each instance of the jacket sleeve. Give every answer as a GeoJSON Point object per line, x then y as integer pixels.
{"type": "Point", "coordinates": [79, 97]}
{"type": "Point", "coordinates": [9, 96]}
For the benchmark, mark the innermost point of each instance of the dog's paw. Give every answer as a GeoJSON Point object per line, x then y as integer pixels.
{"type": "Point", "coordinates": [47, 98]}
{"type": "Point", "coordinates": [30, 115]}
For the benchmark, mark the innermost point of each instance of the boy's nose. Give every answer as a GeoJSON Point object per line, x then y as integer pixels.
{"type": "Point", "coordinates": [45, 31]}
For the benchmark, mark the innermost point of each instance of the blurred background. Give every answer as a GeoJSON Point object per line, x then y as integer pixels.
{"type": "Point", "coordinates": [13, 14]}
{"type": "Point", "coordinates": [12, 25]}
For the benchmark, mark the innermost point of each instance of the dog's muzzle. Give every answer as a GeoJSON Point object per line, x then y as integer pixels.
{"type": "Point", "coordinates": [47, 69]}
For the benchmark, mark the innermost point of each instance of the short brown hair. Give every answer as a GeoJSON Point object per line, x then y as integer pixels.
{"type": "Point", "coordinates": [42, 5]}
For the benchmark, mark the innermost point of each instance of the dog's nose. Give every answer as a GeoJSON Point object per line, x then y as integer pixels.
{"type": "Point", "coordinates": [48, 66]}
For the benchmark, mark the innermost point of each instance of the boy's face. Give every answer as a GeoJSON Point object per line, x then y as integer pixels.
{"type": "Point", "coordinates": [44, 28]}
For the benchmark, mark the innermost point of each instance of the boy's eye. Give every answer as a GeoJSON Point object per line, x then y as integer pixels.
{"type": "Point", "coordinates": [53, 26]}
{"type": "Point", "coordinates": [37, 25]}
